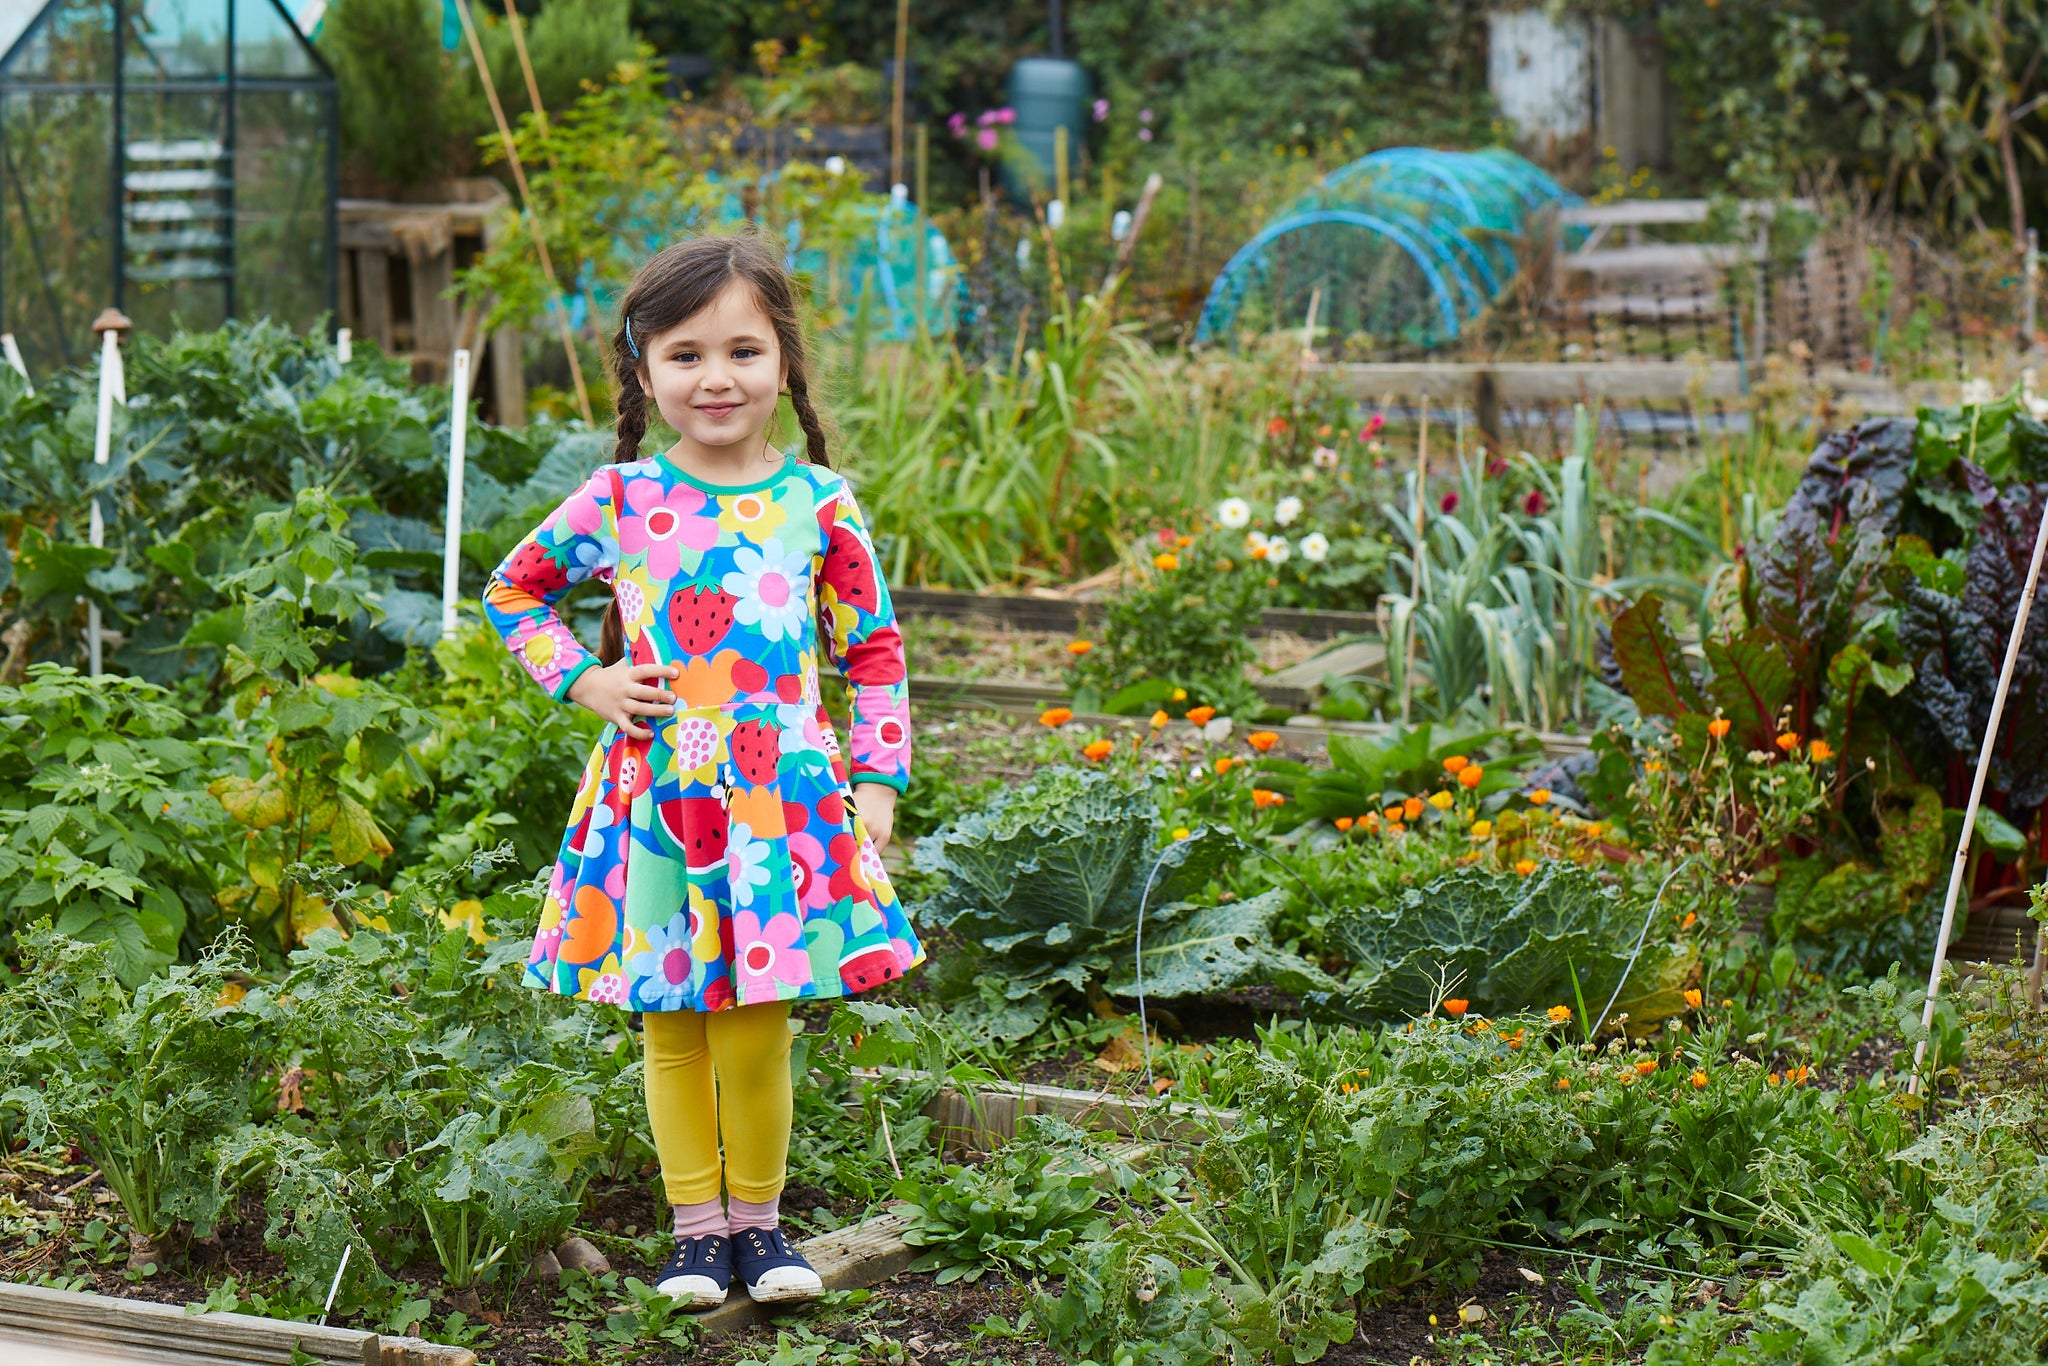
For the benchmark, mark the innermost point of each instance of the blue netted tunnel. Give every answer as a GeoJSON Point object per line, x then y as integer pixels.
{"type": "Point", "coordinates": [1399, 251]}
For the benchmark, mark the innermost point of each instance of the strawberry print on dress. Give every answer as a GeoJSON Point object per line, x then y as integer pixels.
{"type": "Point", "coordinates": [721, 863]}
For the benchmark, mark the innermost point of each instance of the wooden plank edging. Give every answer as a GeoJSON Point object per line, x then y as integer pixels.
{"type": "Point", "coordinates": [146, 1331]}
{"type": "Point", "coordinates": [1064, 616]}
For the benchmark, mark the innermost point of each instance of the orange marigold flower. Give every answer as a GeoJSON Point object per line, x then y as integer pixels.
{"type": "Point", "coordinates": [1396, 828]}
{"type": "Point", "coordinates": [1455, 763]}
{"type": "Point", "coordinates": [1516, 1042]}
{"type": "Point", "coordinates": [1265, 797]}
{"type": "Point", "coordinates": [1559, 1014]}
{"type": "Point", "coordinates": [1411, 808]}
{"type": "Point", "coordinates": [1166, 559]}
{"type": "Point", "coordinates": [1159, 719]}
{"type": "Point", "coordinates": [1183, 541]}
{"type": "Point", "coordinates": [1645, 1067]}
{"type": "Point", "coordinates": [1692, 998]}
{"type": "Point", "coordinates": [1820, 751]}
{"type": "Point", "coordinates": [1223, 765]}
{"type": "Point", "coordinates": [1055, 716]}
{"type": "Point", "coordinates": [1593, 829]}
{"type": "Point", "coordinates": [1788, 742]}
{"type": "Point", "coordinates": [1525, 866]}
{"type": "Point", "coordinates": [1653, 767]}
{"type": "Point", "coordinates": [1540, 797]}
{"type": "Point", "coordinates": [1262, 740]}
{"type": "Point", "coordinates": [1201, 715]}
{"type": "Point", "coordinates": [1699, 1081]}
{"type": "Point", "coordinates": [1080, 647]}
{"type": "Point", "coordinates": [1796, 1075]}
{"type": "Point", "coordinates": [1691, 919]}
{"type": "Point", "coordinates": [1275, 426]}
{"type": "Point", "coordinates": [1455, 1007]}
{"type": "Point", "coordinates": [1471, 776]}
{"type": "Point", "coordinates": [1097, 749]}
{"type": "Point", "coordinates": [1348, 1087]}
{"type": "Point", "coordinates": [1719, 727]}
{"type": "Point", "coordinates": [1392, 813]}
{"type": "Point", "coordinates": [1259, 552]}
{"type": "Point", "coordinates": [1344, 822]}
{"type": "Point", "coordinates": [1564, 1083]}
{"type": "Point", "coordinates": [1773, 1078]}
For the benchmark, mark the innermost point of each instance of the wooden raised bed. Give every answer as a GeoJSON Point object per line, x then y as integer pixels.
{"type": "Point", "coordinates": [1065, 616]}
{"type": "Point", "coordinates": [67, 1328]}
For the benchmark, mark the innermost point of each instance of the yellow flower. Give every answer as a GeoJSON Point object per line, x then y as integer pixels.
{"type": "Point", "coordinates": [1166, 560]}
{"type": "Point", "coordinates": [1482, 830]}
{"type": "Point", "coordinates": [1540, 797]}
{"type": "Point", "coordinates": [1179, 695]}
{"type": "Point", "coordinates": [1441, 800]}
{"type": "Point", "coordinates": [1699, 1081]}
{"type": "Point", "coordinates": [1525, 866]}
{"type": "Point", "coordinates": [1653, 767]}
{"type": "Point", "coordinates": [1692, 998]}
{"type": "Point", "coordinates": [753, 515]}
{"type": "Point", "coordinates": [1559, 1014]}
{"type": "Point", "coordinates": [1181, 832]}
{"type": "Point", "coordinates": [1079, 647]}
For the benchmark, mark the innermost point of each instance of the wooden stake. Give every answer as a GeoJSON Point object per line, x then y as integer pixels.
{"type": "Point", "coordinates": [1061, 188]}
{"type": "Point", "coordinates": [1415, 585]}
{"type": "Point", "coordinates": [540, 239]}
{"type": "Point", "coordinates": [1955, 879]}
{"type": "Point", "coordinates": [1125, 248]}
{"type": "Point", "coordinates": [896, 93]}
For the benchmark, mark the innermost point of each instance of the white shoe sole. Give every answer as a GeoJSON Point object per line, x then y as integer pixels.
{"type": "Point", "coordinates": [703, 1291]}
{"type": "Point", "coordinates": [784, 1292]}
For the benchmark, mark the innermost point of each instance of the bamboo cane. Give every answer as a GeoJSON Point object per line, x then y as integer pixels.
{"type": "Point", "coordinates": [112, 325]}
{"type": "Point", "coordinates": [896, 93]}
{"type": "Point", "coordinates": [1955, 879]}
{"type": "Point", "coordinates": [540, 240]}
{"type": "Point", "coordinates": [1415, 584]}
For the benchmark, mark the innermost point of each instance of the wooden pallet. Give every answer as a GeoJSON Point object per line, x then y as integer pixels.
{"type": "Point", "coordinates": [68, 1328]}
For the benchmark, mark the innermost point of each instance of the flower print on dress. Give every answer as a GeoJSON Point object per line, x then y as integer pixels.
{"type": "Point", "coordinates": [806, 866]}
{"type": "Point", "coordinates": [605, 988]}
{"type": "Point", "coordinates": [666, 973]}
{"type": "Point", "coordinates": [881, 733]}
{"type": "Point", "coordinates": [746, 865]}
{"type": "Point", "coordinates": [754, 515]}
{"type": "Point", "coordinates": [769, 584]}
{"type": "Point", "coordinates": [542, 645]}
{"type": "Point", "coordinates": [582, 513]}
{"type": "Point", "coordinates": [768, 959]}
{"type": "Point", "coordinates": [662, 524]}
{"type": "Point", "coordinates": [633, 593]}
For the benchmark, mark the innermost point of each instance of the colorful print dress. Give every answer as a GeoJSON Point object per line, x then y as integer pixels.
{"type": "Point", "coordinates": [720, 863]}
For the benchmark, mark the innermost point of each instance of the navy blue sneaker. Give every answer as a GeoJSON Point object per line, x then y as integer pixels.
{"type": "Point", "coordinates": [701, 1268]}
{"type": "Point", "coordinates": [774, 1272]}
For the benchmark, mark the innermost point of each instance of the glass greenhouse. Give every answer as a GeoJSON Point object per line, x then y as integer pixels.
{"type": "Point", "coordinates": [173, 158]}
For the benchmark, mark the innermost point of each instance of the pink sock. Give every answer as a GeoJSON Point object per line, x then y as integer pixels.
{"type": "Point", "coordinates": [751, 1214]}
{"type": "Point", "coordinates": [695, 1221]}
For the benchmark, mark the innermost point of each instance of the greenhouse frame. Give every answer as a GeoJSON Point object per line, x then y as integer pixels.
{"type": "Point", "coordinates": [176, 159]}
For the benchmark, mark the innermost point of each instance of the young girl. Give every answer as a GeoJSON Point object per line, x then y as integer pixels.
{"type": "Point", "coordinates": [720, 860]}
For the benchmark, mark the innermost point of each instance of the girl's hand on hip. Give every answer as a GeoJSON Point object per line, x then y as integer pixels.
{"type": "Point", "coordinates": [876, 803]}
{"type": "Point", "coordinates": [622, 691]}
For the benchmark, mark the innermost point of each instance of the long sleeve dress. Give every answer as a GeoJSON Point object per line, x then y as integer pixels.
{"type": "Point", "coordinates": [722, 862]}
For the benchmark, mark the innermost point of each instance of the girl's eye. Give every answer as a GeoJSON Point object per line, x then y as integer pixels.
{"type": "Point", "coordinates": [686, 357]}
{"type": "Point", "coordinates": [744, 352]}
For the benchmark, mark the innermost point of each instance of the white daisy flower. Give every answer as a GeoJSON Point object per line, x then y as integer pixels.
{"type": "Point", "coordinates": [769, 584]}
{"type": "Point", "coordinates": [1277, 550]}
{"type": "Point", "coordinates": [1286, 510]}
{"type": "Point", "coordinates": [1234, 513]}
{"type": "Point", "coordinates": [746, 864]}
{"type": "Point", "coordinates": [1315, 547]}
{"type": "Point", "coordinates": [1325, 458]}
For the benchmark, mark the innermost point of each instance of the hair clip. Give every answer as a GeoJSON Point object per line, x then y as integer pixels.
{"type": "Point", "coordinates": [632, 345]}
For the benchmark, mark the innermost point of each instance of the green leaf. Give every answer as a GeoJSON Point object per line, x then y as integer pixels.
{"type": "Point", "coordinates": [1876, 1260]}
{"type": "Point", "coordinates": [1999, 835]}
{"type": "Point", "coordinates": [1751, 681]}
{"type": "Point", "coordinates": [1219, 948]}
{"type": "Point", "coordinates": [1653, 672]}
{"type": "Point", "coordinates": [49, 573]}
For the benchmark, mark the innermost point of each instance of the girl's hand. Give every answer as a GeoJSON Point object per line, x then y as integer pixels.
{"type": "Point", "coordinates": [623, 691]}
{"type": "Point", "coordinates": [876, 803]}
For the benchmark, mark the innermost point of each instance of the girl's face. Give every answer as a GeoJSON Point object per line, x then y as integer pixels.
{"type": "Point", "coordinates": [716, 374]}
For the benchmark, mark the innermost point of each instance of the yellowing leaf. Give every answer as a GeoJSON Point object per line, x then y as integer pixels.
{"type": "Point", "coordinates": [469, 914]}
{"type": "Point", "coordinates": [355, 834]}
{"type": "Point", "coordinates": [258, 805]}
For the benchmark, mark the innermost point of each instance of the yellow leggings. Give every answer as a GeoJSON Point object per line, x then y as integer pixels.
{"type": "Point", "coordinates": [748, 1048]}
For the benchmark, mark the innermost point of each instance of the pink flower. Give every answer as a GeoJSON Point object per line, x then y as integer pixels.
{"type": "Point", "coordinates": [581, 512]}
{"type": "Point", "coordinates": [767, 957]}
{"type": "Point", "coordinates": [1144, 135]}
{"type": "Point", "coordinates": [1167, 536]}
{"type": "Point", "coordinates": [956, 122]}
{"type": "Point", "coordinates": [1496, 467]}
{"type": "Point", "coordinates": [807, 867]}
{"type": "Point", "coordinates": [1449, 504]}
{"type": "Point", "coordinates": [1101, 110]}
{"type": "Point", "coordinates": [1006, 115]}
{"type": "Point", "coordinates": [881, 733]}
{"type": "Point", "coordinates": [1372, 427]}
{"type": "Point", "coordinates": [1144, 116]}
{"type": "Point", "coordinates": [986, 139]}
{"type": "Point", "coordinates": [1535, 505]}
{"type": "Point", "coordinates": [547, 945]}
{"type": "Point", "coordinates": [662, 524]}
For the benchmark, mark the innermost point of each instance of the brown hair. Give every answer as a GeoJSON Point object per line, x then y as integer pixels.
{"type": "Point", "coordinates": [678, 282]}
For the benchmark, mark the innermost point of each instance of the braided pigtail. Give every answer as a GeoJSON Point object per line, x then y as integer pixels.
{"type": "Point", "coordinates": [632, 404]}
{"type": "Point", "coordinates": [815, 449]}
